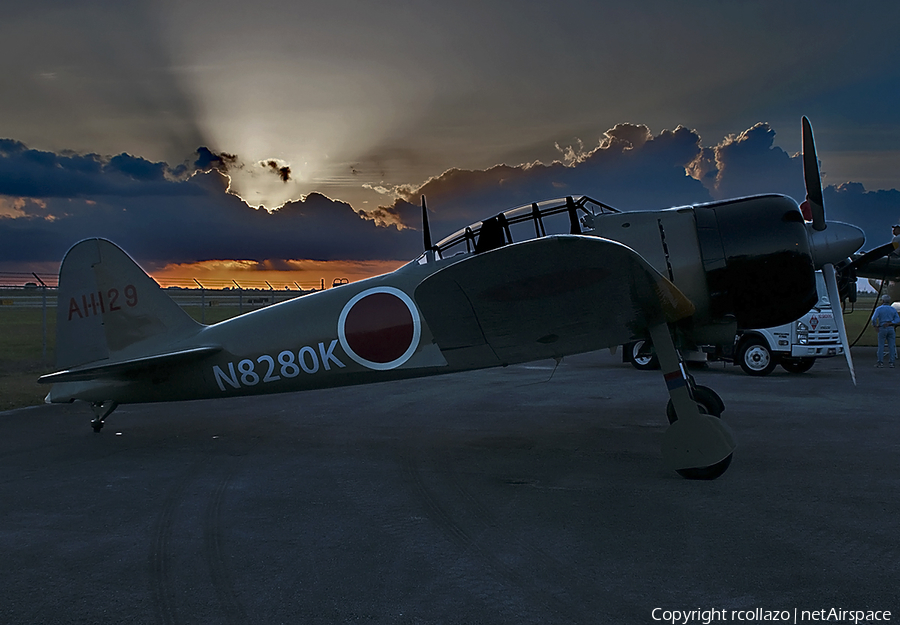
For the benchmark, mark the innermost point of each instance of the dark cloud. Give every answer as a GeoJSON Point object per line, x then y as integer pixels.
{"type": "Point", "coordinates": [207, 160]}
{"type": "Point", "coordinates": [207, 225]}
{"type": "Point", "coordinates": [629, 135]}
{"type": "Point", "coordinates": [54, 200]}
{"type": "Point", "coordinates": [230, 164]}
{"type": "Point", "coordinates": [401, 213]}
{"type": "Point", "coordinates": [632, 169]}
{"type": "Point", "coordinates": [705, 168]}
{"type": "Point", "coordinates": [750, 163]}
{"type": "Point", "coordinates": [873, 211]}
{"type": "Point", "coordinates": [283, 171]}
{"type": "Point", "coordinates": [137, 168]}
{"type": "Point", "coordinates": [161, 215]}
{"type": "Point", "coordinates": [273, 264]}
{"type": "Point", "coordinates": [629, 168]}
{"type": "Point", "coordinates": [9, 147]}
{"type": "Point", "coordinates": [32, 173]}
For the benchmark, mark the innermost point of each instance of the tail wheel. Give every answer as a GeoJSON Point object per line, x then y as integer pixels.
{"type": "Point", "coordinates": [756, 358]}
{"type": "Point", "coordinates": [101, 409]}
{"type": "Point", "coordinates": [642, 356]}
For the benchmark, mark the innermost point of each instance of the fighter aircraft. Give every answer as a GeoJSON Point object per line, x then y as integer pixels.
{"type": "Point", "coordinates": [542, 281]}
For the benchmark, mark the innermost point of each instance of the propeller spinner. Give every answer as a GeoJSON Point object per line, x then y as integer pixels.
{"type": "Point", "coordinates": [830, 242]}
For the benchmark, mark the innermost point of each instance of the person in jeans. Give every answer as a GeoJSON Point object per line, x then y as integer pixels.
{"type": "Point", "coordinates": [885, 319]}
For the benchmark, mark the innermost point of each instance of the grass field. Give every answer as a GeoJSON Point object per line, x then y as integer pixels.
{"type": "Point", "coordinates": [22, 358]}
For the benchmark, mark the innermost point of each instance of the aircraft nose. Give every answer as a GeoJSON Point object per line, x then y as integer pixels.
{"type": "Point", "coordinates": [835, 243]}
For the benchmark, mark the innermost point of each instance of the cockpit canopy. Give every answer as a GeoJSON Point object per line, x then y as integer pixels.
{"type": "Point", "coordinates": [559, 216]}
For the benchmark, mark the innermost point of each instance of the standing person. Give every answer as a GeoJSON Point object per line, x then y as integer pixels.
{"type": "Point", "coordinates": [885, 319]}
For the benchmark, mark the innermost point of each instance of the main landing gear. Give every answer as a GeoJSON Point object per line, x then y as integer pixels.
{"type": "Point", "coordinates": [697, 445]}
{"type": "Point", "coordinates": [101, 411]}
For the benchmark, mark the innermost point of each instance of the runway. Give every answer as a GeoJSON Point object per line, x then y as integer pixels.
{"type": "Point", "coordinates": [518, 495]}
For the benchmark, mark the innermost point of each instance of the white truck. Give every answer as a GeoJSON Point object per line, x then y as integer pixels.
{"type": "Point", "coordinates": [795, 346]}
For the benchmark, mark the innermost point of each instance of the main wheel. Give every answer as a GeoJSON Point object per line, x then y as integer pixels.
{"type": "Point", "coordinates": [706, 473]}
{"type": "Point", "coordinates": [642, 356]}
{"type": "Point", "coordinates": [711, 399]}
{"type": "Point", "coordinates": [756, 358]}
{"type": "Point", "coordinates": [797, 365]}
{"type": "Point", "coordinates": [707, 401]}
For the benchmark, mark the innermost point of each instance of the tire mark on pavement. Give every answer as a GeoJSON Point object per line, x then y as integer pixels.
{"type": "Point", "coordinates": [215, 555]}
{"type": "Point", "coordinates": [162, 587]}
{"type": "Point", "coordinates": [474, 539]}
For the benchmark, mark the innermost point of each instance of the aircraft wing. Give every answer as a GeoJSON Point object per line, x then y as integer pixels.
{"type": "Point", "coordinates": [886, 267]}
{"type": "Point", "coordinates": [125, 368]}
{"type": "Point", "coordinates": [546, 297]}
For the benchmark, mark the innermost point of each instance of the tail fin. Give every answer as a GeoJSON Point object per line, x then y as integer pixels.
{"type": "Point", "coordinates": [109, 308]}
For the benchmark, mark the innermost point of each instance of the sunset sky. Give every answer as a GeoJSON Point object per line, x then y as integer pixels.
{"type": "Point", "coordinates": [164, 125]}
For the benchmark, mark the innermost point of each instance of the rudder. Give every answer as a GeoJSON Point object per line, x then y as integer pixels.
{"type": "Point", "coordinates": [109, 308]}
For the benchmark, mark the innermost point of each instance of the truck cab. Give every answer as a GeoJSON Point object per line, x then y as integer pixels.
{"type": "Point", "coordinates": [796, 345]}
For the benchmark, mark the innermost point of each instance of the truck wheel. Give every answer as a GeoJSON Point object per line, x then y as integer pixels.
{"type": "Point", "coordinates": [797, 365]}
{"type": "Point", "coordinates": [641, 356]}
{"type": "Point", "coordinates": [756, 358]}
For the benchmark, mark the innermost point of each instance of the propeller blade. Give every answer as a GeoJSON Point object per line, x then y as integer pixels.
{"type": "Point", "coordinates": [835, 299]}
{"type": "Point", "coordinates": [812, 179]}
{"type": "Point", "coordinates": [879, 252]}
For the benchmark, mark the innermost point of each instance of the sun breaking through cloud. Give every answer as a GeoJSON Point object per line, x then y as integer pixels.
{"type": "Point", "coordinates": [253, 182]}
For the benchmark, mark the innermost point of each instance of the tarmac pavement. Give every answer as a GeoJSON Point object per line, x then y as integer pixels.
{"type": "Point", "coordinates": [518, 495]}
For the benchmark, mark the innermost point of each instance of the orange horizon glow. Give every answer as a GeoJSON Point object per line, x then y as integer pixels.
{"type": "Point", "coordinates": [307, 274]}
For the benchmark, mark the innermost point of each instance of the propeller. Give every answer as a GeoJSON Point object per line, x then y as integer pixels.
{"type": "Point", "coordinates": [829, 242]}
{"type": "Point", "coordinates": [811, 177]}
{"type": "Point", "coordinates": [874, 254]}
{"type": "Point", "coordinates": [426, 231]}
{"type": "Point", "coordinates": [835, 299]}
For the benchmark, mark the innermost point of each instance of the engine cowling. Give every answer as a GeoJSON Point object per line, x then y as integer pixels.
{"type": "Point", "coordinates": [757, 259]}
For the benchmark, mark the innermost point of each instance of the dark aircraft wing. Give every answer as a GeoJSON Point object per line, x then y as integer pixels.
{"type": "Point", "coordinates": [885, 267]}
{"type": "Point", "coordinates": [546, 297]}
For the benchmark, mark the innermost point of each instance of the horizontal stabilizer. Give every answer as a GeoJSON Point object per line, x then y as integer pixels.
{"type": "Point", "coordinates": [126, 368]}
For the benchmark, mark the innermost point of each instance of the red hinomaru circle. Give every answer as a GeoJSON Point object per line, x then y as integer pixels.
{"type": "Point", "coordinates": [379, 328]}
